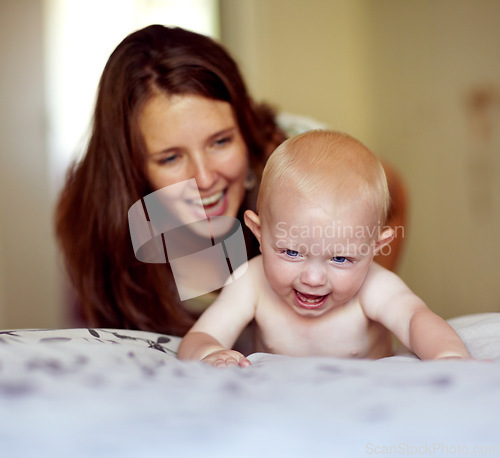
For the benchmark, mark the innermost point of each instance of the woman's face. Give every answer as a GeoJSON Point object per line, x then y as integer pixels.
{"type": "Point", "coordinates": [190, 136]}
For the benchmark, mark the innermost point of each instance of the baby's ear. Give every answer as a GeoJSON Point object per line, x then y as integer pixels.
{"type": "Point", "coordinates": [252, 220]}
{"type": "Point", "coordinates": [386, 237]}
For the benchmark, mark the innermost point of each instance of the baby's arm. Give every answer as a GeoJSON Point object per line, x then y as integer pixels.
{"type": "Point", "coordinates": [212, 336]}
{"type": "Point", "coordinates": [387, 299]}
{"type": "Point", "coordinates": [431, 337]}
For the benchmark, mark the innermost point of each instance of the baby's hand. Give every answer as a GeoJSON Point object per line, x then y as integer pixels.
{"type": "Point", "coordinates": [453, 357]}
{"type": "Point", "coordinates": [226, 358]}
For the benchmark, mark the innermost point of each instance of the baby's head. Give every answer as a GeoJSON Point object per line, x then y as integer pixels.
{"type": "Point", "coordinates": [323, 163]}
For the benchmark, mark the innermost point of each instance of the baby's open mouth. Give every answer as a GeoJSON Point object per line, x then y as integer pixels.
{"type": "Point", "coordinates": [309, 301]}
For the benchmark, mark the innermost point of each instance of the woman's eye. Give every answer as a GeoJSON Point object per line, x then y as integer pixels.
{"type": "Point", "coordinates": [167, 160]}
{"type": "Point", "coordinates": [339, 259]}
{"type": "Point", "coordinates": [292, 253]}
{"type": "Point", "coordinates": [223, 141]}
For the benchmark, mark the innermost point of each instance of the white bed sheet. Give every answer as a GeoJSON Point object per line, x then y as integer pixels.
{"type": "Point", "coordinates": [113, 393]}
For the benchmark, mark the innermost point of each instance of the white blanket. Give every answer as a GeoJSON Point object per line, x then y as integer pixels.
{"type": "Point", "coordinates": [113, 393]}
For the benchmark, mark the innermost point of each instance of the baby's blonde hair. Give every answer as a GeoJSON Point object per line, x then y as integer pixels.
{"type": "Point", "coordinates": [324, 162]}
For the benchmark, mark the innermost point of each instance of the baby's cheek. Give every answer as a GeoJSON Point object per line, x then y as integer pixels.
{"type": "Point", "coordinates": [348, 284]}
{"type": "Point", "coordinates": [280, 280]}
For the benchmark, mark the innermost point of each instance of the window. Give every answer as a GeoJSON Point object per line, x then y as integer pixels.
{"type": "Point", "coordinates": [80, 35]}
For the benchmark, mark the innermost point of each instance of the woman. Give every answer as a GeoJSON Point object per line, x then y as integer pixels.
{"type": "Point", "coordinates": [171, 106]}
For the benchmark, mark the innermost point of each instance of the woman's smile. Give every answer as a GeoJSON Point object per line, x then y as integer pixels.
{"type": "Point", "coordinates": [216, 204]}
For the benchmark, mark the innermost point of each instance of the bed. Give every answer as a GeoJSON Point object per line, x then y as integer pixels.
{"type": "Point", "coordinates": [116, 393]}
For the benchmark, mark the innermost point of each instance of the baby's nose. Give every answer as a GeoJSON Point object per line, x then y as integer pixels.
{"type": "Point", "coordinates": [313, 275]}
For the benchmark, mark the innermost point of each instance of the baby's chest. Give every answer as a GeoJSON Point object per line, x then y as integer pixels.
{"type": "Point", "coordinates": [345, 333]}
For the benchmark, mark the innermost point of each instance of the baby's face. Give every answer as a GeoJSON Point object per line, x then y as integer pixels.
{"type": "Point", "coordinates": [316, 258]}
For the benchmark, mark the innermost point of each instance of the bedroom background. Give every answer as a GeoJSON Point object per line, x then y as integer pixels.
{"type": "Point", "coordinates": [417, 81]}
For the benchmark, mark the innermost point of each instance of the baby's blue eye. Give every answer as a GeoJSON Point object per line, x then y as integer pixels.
{"type": "Point", "coordinates": [339, 259]}
{"type": "Point", "coordinates": [291, 253]}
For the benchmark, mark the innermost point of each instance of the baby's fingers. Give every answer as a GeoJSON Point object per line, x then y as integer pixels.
{"type": "Point", "coordinates": [228, 358]}
{"type": "Point", "coordinates": [244, 362]}
{"type": "Point", "coordinates": [225, 362]}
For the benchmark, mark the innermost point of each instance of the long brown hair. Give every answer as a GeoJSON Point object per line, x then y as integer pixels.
{"type": "Point", "coordinates": [114, 289]}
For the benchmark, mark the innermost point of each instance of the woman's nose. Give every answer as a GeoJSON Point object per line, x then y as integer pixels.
{"type": "Point", "coordinates": [204, 174]}
{"type": "Point", "coordinates": [313, 275]}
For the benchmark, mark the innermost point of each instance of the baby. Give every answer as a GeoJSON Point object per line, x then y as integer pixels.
{"type": "Point", "coordinates": [315, 289]}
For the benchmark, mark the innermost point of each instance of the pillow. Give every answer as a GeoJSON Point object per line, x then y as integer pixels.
{"type": "Point", "coordinates": [480, 333]}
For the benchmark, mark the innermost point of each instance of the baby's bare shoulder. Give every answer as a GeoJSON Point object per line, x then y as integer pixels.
{"type": "Point", "coordinates": [382, 291]}
{"type": "Point", "coordinates": [380, 276]}
{"type": "Point", "coordinates": [250, 271]}
{"type": "Point", "coordinates": [255, 271]}
{"type": "Point", "coordinates": [252, 280]}
{"type": "Point", "coordinates": [380, 284]}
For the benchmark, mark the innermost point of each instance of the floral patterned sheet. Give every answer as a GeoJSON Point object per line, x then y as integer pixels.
{"type": "Point", "coordinates": [115, 393]}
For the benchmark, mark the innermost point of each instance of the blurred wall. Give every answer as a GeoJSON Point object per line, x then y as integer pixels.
{"type": "Point", "coordinates": [30, 289]}
{"type": "Point", "coordinates": [418, 81]}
